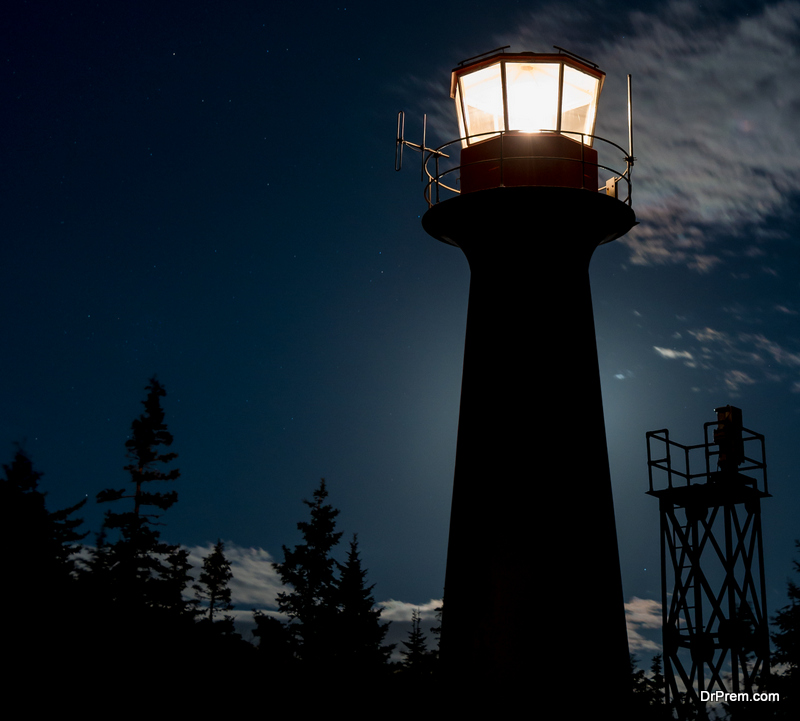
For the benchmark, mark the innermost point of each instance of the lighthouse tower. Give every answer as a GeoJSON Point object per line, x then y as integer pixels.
{"type": "Point", "coordinates": [715, 627]}
{"type": "Point", "coordinates": [533, 588]}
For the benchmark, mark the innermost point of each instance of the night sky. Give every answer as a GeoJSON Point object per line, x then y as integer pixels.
{"type": "Point", "coordinates": [206, 191]}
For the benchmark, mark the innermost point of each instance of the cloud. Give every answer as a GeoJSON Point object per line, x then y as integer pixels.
{"type": "Point", "coordinates": [735, 379]}
{"type": "Point", "coordinates": [642, 613]}
{"type": "Point", "coordinates": [401, 610]}
{"type": "Point", "coordinates": [780, 355]}
{"type": "Point", "coordinates": [255, 583]}
{"type": "Point", "coordinates": [706, 335]}
{"type": "Point", "coordinates": [742, 359]}
{"type": "Point", "coordinates": [671, 353]}
{"type": "Point", "coordinates": [715, 104]}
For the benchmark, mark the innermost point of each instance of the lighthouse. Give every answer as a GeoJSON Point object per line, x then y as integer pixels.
{"type": "Point", "coordinates": [533, 590]}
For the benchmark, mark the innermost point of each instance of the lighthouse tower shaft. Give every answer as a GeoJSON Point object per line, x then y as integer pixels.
{"type": "Point", "coordinates": [533, 578]}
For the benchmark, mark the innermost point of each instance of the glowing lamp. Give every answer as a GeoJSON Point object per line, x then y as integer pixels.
{"type": "Point", "coordinates": [527, 119]}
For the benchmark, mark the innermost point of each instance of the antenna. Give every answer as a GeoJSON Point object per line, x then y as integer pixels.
{"type": "Point", "coordinates": [630, 122]}
{"type": "Point", "coordinates": [400, 141]}
{"type": "Point", "coordinates": [422, 154]}
{"type": "Point", "coordinates": [630, 159]}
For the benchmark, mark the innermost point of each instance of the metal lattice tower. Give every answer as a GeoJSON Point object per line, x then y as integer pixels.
{"type": "Point", "coordinates": [715, 632]}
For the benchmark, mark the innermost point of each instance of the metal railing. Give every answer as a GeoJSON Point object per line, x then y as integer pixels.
{"type": "Point", "coordinates": [436, 184]}
{"type": "Point", "coordinates": [666, 462]}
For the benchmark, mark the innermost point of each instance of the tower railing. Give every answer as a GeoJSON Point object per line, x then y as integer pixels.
{"type": "Point", "coordinates": [442, 184]}
{"type": "Point", "coordinates": [676, 460]}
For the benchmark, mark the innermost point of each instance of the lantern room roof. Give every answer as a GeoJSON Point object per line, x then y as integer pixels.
{"type": "Point", "coordinates": [564, 57]}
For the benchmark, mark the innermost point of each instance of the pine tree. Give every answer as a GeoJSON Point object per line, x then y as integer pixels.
{"type": "Point", "coordinates": [275, 645]}
{"type": "Point", "coordinates": [416, 657]}
{"type": "Point", "coordinates": [213, 583]}
{"type": "Point", "coordinates": [44, 540]}
{"type": "Point", "coordinates": [139, 569]}
{"type": "Point", "coordinates": [786, 676]}
{"type": "Point", "coordinates": [648, 702]}
{"type": "Point", "coordinates": [176, 577]}
{"type": "Point", "coordinates": [37, 564]}
{"type": "Point", "coordinates": [309, 571]}
{"type": "Point", "coordinates": [437, 631]}
{"type": "Point", "coordinates": [655, 683]}
{"type": "Point", "coordinates": [147, 433]}
{"type": "Point", "coordinates": [360, 634]}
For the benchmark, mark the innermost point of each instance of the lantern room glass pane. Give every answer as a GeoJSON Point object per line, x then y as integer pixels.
{"type": "Point", "coordinates": [532, 92]}
{"type": "Point", "coordinates": [483, 101]}
{"type": "Point", "coordinates": [579, 103]}
{"type": "Point", "coordinates": [462, 131]}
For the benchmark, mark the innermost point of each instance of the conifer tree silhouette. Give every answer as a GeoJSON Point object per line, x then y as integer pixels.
{"type": "Point", "coordinates": [416, 658]}
{"type": "Point", "coordinates": [38, 564]}
{"type": "Point", "coordinates": [276, 649]}
{"type": "Point", "coordinates": [648, 698]}
{"type": "Point", "coordinates": [309, 570]}
{"type": "Point", "coordinates": [45, 539]}
{"type": "Point", "coordinates": [212, 586]}
{"type": "Point", "coordinates": [786, 658]}
{"type": "Point", "coordinates": [360, 634]}
{"type": "Point", "coordinates": [139, 569]}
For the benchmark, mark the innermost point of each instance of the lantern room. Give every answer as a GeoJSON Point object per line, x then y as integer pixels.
{"type": "Point", "coordinates": [527, 119]}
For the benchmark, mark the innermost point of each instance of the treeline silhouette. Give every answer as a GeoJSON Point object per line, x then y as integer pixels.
{"type": "Point", "coordinates": [131, 597]}
{"type": "Point", "coordinates": [128, 607]}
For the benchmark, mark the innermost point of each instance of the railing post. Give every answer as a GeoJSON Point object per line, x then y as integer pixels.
{"type": "Point", "coordinates": [583, 162]}
{"type": "Point", "coordinates": [502, 154]}
{"type": "Point", "coordinates": [688, 469]}
{"type": "Point", "coordinates": [669, 458]}
{"type": "Point", "coordinates": [630, 182]}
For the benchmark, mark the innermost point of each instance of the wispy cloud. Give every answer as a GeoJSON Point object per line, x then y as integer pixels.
{"type": "Point", "coordinates": [779, 354]}
{"type": "Point", "coordinates": [716, 104]}
{"type": "Point", "coordinates": [401, 610]}
{"type": "Point", "coordinates": [715, 107]}
{"type": "Point", "coordinates": [672, 353]}
{"type": "Point", "coordinates": [734, 380]}
{"type": "Point", "coordinates": [255, 583]}
{"type": "Point", "coordinates": [740, 359]}
{"type": "Point", "coordinates": [640, 614]}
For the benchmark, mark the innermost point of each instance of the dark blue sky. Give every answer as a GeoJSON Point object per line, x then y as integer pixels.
{"type": "Point", "coordinates": [207, 192]}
